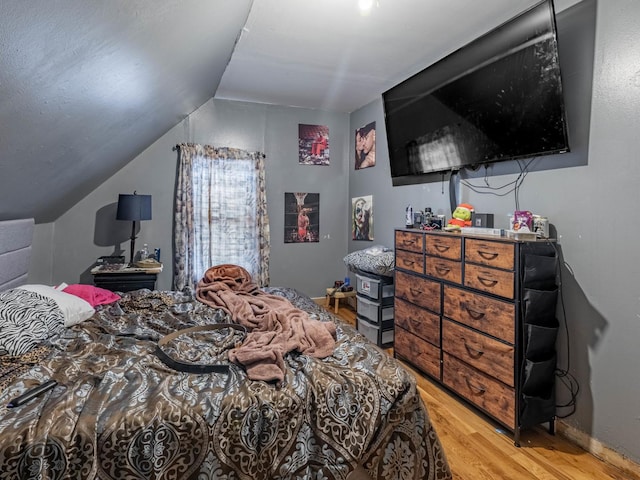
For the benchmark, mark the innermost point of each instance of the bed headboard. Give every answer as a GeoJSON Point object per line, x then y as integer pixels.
{"type": "Point", "coordinates": [15, 251]}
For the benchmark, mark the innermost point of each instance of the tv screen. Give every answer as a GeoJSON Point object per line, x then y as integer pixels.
{"type": "Point", "coordinates": [498, 98]}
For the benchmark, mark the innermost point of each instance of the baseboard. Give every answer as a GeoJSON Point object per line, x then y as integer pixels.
{"type": "Point", "coordinates": [595, 447]}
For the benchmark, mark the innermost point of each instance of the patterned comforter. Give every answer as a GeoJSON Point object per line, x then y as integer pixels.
{"type": "Point", "coordinates": [118, 412]}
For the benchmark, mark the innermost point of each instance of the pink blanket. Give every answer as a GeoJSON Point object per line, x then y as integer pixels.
{"type": "Point", "coordinates": [275, 326]}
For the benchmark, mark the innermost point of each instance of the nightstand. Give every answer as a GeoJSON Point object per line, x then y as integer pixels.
{"type": "Point", "coordinates": [122, 278]}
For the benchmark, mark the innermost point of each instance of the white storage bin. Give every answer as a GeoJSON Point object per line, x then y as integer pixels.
{"type": "Point", "coordinates": [375, 288]}
{"type": "Point", "coordinates": [373, 311]}
{"type": "Point", "coordinates": [374, 333]}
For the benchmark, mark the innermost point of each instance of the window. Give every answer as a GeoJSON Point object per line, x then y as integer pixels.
{"type": "Point", "coordinates": [220, 214]}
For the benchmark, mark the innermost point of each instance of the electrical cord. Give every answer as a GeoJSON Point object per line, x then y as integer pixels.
{"type": "Point", "coordinates": [453, 202]}
{"type": "Point", "coordinates": [514, 185]}
{"type": "Point", "coordinates": [564, 375]}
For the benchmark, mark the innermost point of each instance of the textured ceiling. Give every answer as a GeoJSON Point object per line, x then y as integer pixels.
{"type": "Point", "coordinates": [85, 86]}
{"type": "Point", "coordinates": [88, 85]}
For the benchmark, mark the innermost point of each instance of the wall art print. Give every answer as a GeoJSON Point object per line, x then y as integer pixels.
{"type": "Point", "coordinates": [313, 144]}
{"type": "Point", "coordinates": [362, 218]}
{"type": "Point", "coordinates": [366, 146]}
{"type": "Point", "coordinates": [301, 217]}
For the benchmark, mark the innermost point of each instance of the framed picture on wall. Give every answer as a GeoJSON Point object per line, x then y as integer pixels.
{"type": "Point", "coordinates": [362, 218]}
{"type": "Point", "coordinates": [365, 147]}
{"type": "Point", "coordinates": [301, 217]}
{"type": "Point", "coordinates": [313, 144]}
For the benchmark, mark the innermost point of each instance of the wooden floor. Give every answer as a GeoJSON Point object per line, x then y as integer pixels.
{"type": "Point", "coordinates": [479, 449]}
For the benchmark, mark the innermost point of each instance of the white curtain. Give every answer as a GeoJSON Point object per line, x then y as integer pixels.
{"type": "Point", "coordinates": [220, 213]}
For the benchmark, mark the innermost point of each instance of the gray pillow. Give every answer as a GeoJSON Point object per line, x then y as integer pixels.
{"type": "Point", "coordinates": [26, 320]}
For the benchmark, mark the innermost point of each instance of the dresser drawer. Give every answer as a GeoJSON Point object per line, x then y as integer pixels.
{"type": "Point", "coordinates": [420, 353]}
{"type": "Point", "coordinates": [410, 261]}
{"type": "Point", "coordinates": [444, 246]}
{"type": "Point", "coordinates": [480, 351]}
{"type": "Point", "coordinates": [483, 391]}
{"type": "Point", "coordinates": [491, 280]}
{"type": "Point", "coordinates": [419, 291]}
{"type": "Point", "coordinates": [485, 252]}
{"type": "Point", "coordinates": [445, 269]}
{"type": "Point", "coordinates": [418, 321]}
{"type": "Point", "coordinates": [410, 241]}
{"type": "Point", "coordinates": [495, 317]}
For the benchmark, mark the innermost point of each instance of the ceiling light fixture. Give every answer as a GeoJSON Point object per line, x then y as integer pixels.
{"type": "Point", "coordinates": [366, 6]}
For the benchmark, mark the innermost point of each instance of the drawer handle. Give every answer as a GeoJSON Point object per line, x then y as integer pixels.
{"type": "Point", "coordinates": [474, 313]}
{"type": "Point", "coordinates": [408, 262]}
{"type": "Point", "coordinates": [408, 242]}
{"type": "Point", "coordinates": [414, 292]}
{"type": "Point", "coordinates": [442, 270]}
{"type": "Point", "coordinates": [480, 390]}
{"type": "Point", "coordinates": [487, 282]}
{"type": "Point", "coordinates": [442, 248]}
{"type": "Point", "coordinates": [487, 255]}
{"type": "Point", "coordinates": [474, 352]}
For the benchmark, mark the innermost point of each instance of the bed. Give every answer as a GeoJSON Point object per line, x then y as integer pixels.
{"type": "Point", "coordinates": [119, 411]}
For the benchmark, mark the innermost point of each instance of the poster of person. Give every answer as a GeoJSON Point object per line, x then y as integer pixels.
{"type": "Point", "coordinates": [362, 218]}
{"type": "Point", "coordinates": [366, 146]}
{"type": "Point", "coordinates": [301, 217]}
{"type": "Point", "coordinates": [313, 144]}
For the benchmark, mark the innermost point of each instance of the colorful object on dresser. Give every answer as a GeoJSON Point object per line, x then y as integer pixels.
{"type": "Point", "coordinates": [461, 217]}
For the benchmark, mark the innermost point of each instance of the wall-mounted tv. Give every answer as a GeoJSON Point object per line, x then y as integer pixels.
{"type": "Point", "coordinates": [497, 98]}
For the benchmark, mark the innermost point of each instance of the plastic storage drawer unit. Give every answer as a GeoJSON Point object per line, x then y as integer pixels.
{"type": "Point", "coordinates": [373, 311]}
{"type": "Point", "coordinates": [375, 333]}
{"type": "Point", "coordinates": [376, 288]}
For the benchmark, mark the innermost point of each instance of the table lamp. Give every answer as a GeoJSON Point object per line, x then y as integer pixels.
{"type": "Point", "coordinates": [133, 207]}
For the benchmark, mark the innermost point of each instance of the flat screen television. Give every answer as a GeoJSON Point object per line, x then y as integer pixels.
{"type": "Point", "coordinates": [497, 98]}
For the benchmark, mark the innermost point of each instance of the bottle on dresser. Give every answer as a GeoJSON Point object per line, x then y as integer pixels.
{"type": "Point", "coordinates": [144, 252]}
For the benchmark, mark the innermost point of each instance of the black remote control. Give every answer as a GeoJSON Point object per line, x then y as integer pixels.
{"type": "Point", "coordinates": [32, 393]}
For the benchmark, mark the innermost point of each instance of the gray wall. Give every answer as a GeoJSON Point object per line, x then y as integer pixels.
{"type": "Point", "coordinates": [598, 241]}
{"type": "Point", "coordinates": [90, 230]}
{"type": "Point", "coordinates": [601, 277]}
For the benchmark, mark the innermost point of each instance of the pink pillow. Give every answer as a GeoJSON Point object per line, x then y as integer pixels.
{"type": "Point", "coordinates": [93, 295]}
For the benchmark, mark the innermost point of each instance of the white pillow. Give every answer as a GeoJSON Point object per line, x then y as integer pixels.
{"type": "Point", "coordinates": [74, 309]}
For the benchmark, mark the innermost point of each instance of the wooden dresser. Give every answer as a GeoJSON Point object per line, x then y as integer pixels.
{"type": "Point", "coordinates": [477, 314]}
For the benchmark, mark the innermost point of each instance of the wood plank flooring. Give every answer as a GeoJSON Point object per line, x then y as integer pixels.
{"type": "Point", "coordinates": [479, 449]}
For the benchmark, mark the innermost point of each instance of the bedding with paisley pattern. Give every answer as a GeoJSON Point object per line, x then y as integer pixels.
{"type": "Point", "coordinates": [118, 412]}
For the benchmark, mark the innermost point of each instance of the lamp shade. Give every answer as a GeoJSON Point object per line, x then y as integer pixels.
{"type": "Point", "coordinates": [134, 207]}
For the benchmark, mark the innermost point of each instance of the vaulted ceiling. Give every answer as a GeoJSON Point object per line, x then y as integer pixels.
{"type": "Point", "coordinates": [85, 86]}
